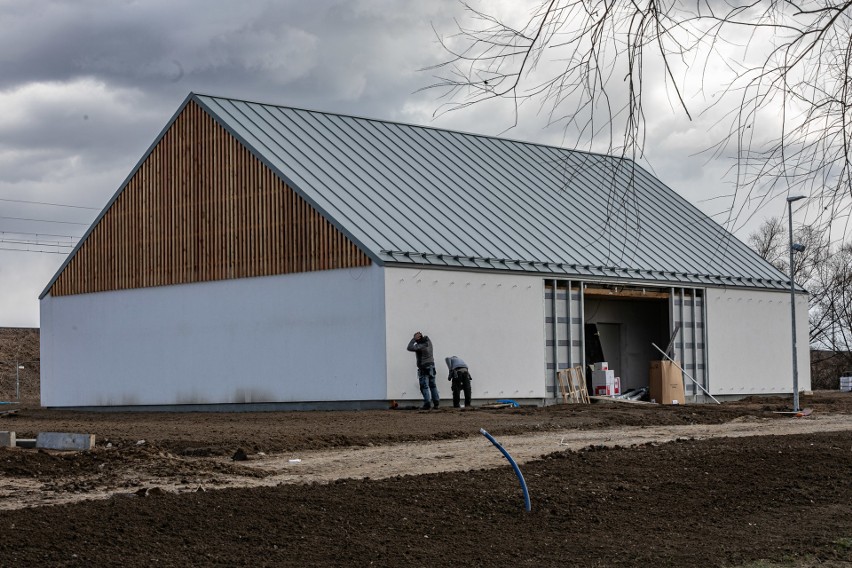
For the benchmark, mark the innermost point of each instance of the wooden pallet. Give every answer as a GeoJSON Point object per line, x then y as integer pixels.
{"type": "Point", "coordinates": [572, 385]}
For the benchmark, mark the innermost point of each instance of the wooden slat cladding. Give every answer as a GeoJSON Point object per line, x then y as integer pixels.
{"type": "Point", "coordinates": [202, 208]}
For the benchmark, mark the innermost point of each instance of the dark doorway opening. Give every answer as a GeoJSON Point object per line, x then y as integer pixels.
{"type": "Point", "coordinates": [620, 329]}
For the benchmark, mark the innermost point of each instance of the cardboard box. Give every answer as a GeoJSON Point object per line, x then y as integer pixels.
{"type": "Point", "coordinates": [612, 388]}
{"type": "Point", "coordinates": [602, 366]}
{"type": "Point", "coordinates": [605, 383]}
{"type": "Point", "coordinates": [665, 382]}
{"type": "Point", "coordinates": [601, 377]}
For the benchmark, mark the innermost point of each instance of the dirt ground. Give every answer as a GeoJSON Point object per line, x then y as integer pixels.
{"type": "Point", "coordinates": [610, 484]}
{"type": "Point", "coordinates": [21, 346]}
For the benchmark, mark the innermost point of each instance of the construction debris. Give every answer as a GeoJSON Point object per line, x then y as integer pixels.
{"type": "Point", "coordinates": [622, 400]}
{"type": "Point", "coordinates": [7, 439]}
{"type": "Point", "coordinates": [65, 441]}
{"type": "Point", "coordinates": [497, 405]}
{"type": "Point", "coordinates": [572, 384]}
{"type": "Point", "coordinates": [796, 413]}
{"type": "Point", "coordinates": [9, 411]}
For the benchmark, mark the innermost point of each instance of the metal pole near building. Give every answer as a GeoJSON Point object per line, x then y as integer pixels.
{"type": "Point", "coordinates": [794, 248]}
{"type": "Point", "coordinates": [18, 368]}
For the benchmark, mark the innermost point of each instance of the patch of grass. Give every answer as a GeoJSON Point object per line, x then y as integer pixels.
{"type": "Point", "coordinates": [844, 543]}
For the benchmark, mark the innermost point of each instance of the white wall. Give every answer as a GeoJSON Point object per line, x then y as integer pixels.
{"type": "Point", "coordinates": [495, 322]}
{"type": "Point", "coordinates": [315, 336]}
{"type": "Point", "coordinates": [749, 342]}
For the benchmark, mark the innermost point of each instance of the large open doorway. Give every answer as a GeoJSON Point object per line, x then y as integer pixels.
{"type": "Point", "coordinates": [620, 329]}
{"type": "Point", "coordinates": [586, 323]}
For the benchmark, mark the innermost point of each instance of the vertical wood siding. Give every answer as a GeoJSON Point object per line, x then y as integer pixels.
{"type": "Point", "coordinates": [202, 208]}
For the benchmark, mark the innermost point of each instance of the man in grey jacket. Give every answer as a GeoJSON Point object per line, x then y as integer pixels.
{"type": "Point", "coordinates": [460, 377]}
{"type": "Point", "coordinates": [422, 348]}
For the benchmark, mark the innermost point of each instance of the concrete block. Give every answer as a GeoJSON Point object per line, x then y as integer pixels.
{"type": "Point", "coordinates": [7, 439]}
{"type": "Point", "coordinates": [65, 441]}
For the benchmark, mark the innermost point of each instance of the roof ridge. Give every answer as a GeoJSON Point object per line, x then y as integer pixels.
{"type": "Point", "coordinates": [423, 126]}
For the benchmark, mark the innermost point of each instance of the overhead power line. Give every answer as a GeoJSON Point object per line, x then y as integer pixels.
{"type": "Point", "coordinates": [51, 204]}
{"type": "Point", "coordinates": [31, 250]}
{"type": "Point", "coordinates": [44, 221]}
{"type": "Point", "coordinates": [37, 243]}
{"type": "Point", "coordinates": [38, 234]}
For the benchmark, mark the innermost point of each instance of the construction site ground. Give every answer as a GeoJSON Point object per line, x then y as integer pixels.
{"type": "Point", "coordinates": [610, 484]}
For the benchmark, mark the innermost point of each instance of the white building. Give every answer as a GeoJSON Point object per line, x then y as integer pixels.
{"type": "Point", "coordinates": [273, 256]}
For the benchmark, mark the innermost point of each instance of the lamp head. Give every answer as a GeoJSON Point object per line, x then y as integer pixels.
{"type": "Point", "coordinates": [793, 198]}
{"type": "Point", "coordinates": [798, 247]}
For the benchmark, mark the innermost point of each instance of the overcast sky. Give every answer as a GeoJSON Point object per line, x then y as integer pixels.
{"type": "Point", "coordinates": [87, 85]}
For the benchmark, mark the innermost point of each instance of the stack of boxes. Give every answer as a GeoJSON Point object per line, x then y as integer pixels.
{"type": "Point", "coordinates": [604, 381]}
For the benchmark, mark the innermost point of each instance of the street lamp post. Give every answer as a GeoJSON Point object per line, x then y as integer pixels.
{"type": "Point", "coordinates": [794, 248]}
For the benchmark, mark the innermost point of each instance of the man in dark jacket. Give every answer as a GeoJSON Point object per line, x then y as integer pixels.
{"type": "Point", "coordinates": [422, 348]}
{"type": "Point", "coordinates": [460, 377]}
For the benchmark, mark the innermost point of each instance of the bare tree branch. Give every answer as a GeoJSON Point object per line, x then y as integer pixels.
{"type": "Point", "coordinates": [786, 104]}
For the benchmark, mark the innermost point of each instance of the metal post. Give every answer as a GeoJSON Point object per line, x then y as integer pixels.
{"type": "Point", "coordinates": [694, 350]}
{"type": "Point", "coordinates": [570, 313]}
{"type": "Point", "coordinates": [682, 336]}
{"type": "Point", "coordinates": [581, 293]}
{"type": "Point", "coordinates": [790, 201]}
{"type": "Point", "coordinates": [17, 382]}
{"type": "Point", "coordinates": [555, 335]}
{"type": "Point", "coordinates": [704, 339]}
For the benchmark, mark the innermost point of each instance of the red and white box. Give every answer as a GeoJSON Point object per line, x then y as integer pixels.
{"type": "Point", "coordinates": [605, 383]}
{"type": "Point", "coordinates": [602, 366]}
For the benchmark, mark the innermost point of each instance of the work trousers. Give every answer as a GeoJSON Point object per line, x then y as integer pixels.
{"type": "Point", "coordinates": [426, 378]}
{"type": "Point", "coordinates": [461, 382]}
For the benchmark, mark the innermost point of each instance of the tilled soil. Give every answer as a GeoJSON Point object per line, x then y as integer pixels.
{"type": "Point", "coordinates": [359, 495]}
{"type": "Point", "coordinates": [200, 433]}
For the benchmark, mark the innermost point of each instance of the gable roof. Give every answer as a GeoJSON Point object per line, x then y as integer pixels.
{"type": "Point", "coordinates": [415, 195]}
{"type": "Point", "coordinates": [419, 195]}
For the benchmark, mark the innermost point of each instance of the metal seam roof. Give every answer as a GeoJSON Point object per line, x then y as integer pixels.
{"type": "Point", "coordinates": [411, 194]}
{"type": "Point", "coordinates": [490, 202]}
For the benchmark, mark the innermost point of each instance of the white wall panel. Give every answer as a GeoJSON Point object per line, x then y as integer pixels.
{"type": "Point", "coordinates": [492, 321]}
{"type": "Point", "coordinates": [749, 340]}
{"type": "Point", "coordinates": [316, 336]}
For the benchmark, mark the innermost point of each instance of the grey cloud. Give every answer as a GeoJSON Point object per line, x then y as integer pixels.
{"type": "Point", "coordinates": [76, 146]}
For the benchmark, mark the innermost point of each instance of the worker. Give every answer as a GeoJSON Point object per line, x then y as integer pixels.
{"type": "Point", "coordinates": [422, 348]}
{"type": "Point", "coordinates": [460, 377]}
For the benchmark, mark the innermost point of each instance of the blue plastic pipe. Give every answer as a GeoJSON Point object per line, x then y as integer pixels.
{"type": "Point", "coordinates": [514, 466]}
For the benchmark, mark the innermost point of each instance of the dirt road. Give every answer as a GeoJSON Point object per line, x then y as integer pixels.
{"type": "Point", "coordinates": [476, 453]}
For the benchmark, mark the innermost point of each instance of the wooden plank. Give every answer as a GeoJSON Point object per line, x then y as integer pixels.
{"type": "Point", "coordinates": [562, 378]}
{"type": "Point", "coordinates": [573, 385]}
{"type": "Point", "coordinates": [579, 382]}
{"type": "Point", "coordinates": [630, 293]}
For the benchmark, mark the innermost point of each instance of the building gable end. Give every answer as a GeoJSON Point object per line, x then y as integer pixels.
{"type": "Point", "coordinates": [201, 207]}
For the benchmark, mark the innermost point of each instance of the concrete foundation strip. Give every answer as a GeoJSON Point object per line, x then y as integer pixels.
{"type": "Point", "coordinates": [65, 441]}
